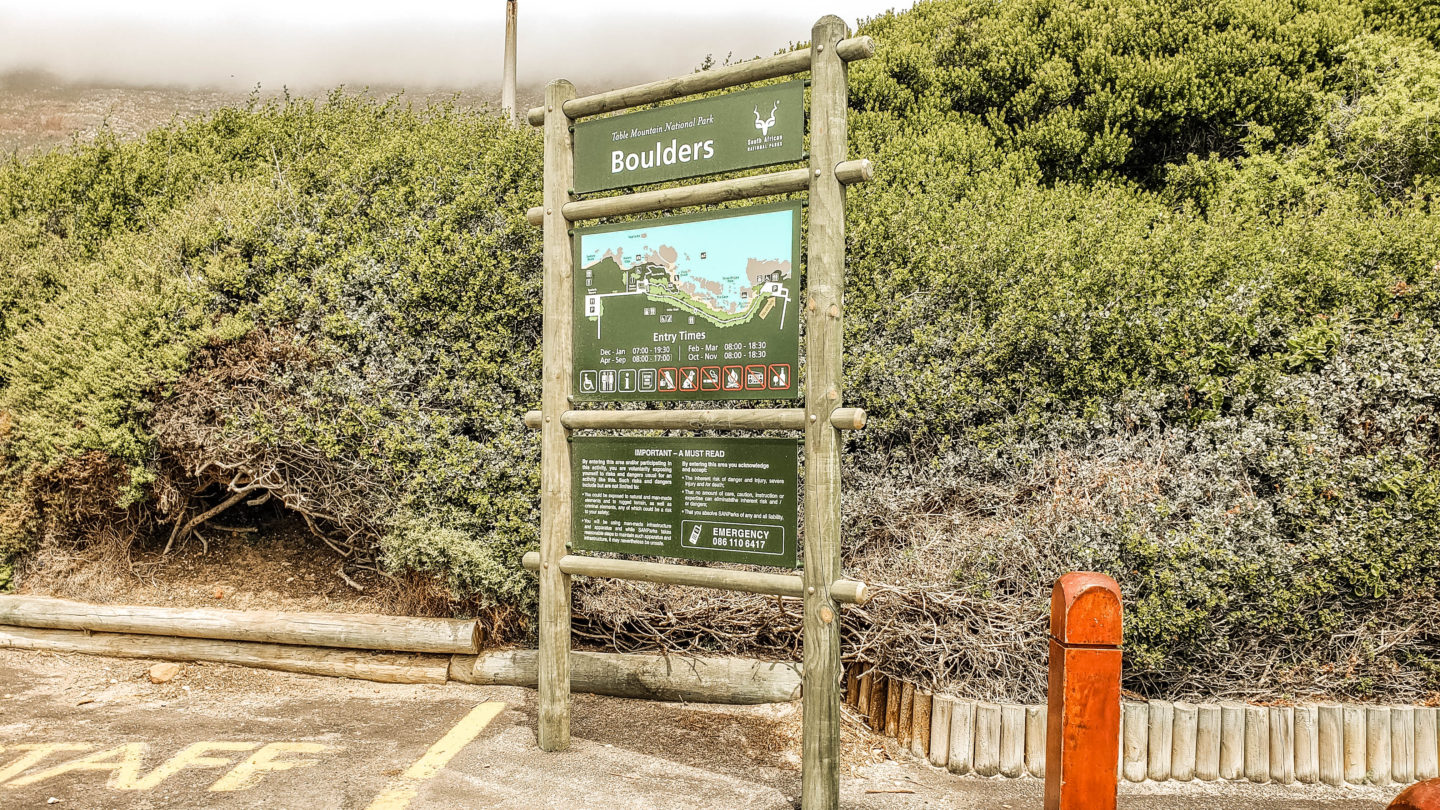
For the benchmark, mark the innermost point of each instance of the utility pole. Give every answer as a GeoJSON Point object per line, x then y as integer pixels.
{"type": "Point", "coordinates": [507, 83]}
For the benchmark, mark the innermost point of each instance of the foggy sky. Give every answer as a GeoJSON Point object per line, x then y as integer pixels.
{"type": "Point", "coordinates": [594, 44]}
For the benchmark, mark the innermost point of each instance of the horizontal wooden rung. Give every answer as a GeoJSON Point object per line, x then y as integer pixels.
{"type": "Point", "coordinates": [711, 419]}
{"type": "Point", "coordinates": [769, 67]}
{"type": "Point", "coordinates": [843, 590]}
{"type": "Point", "coordinates": [665, 199]}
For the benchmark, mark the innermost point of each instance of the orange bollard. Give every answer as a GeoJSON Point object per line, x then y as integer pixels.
{"type": "Point", "coordinates": [1083, 734]}
{"type": "Point", "coordinates": [1419, 796]}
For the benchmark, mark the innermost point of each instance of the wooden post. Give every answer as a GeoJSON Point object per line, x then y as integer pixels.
{"type": "Point", "coordinates": [940, 710]}
{"type": "Point", "coordinates": [1402, 744]}
{"type": "Point", "coordinates": [907, 712]}
{"type": "Point", "coordinates": [862, 697]}
{"type": "Point", "coordinates": [1162, 739]}
{"type": "Point", "coordinates": [1012, 741]}
{"type": "Point", "coordinates": [1331, 756]}
{"type": "Point", "coordinates": [893, 692]}
{"type": "Point", "coordinates": [920, 724]}
{"type": "Point", "coordinates": [1377, 744]}
{"type": "Point", "coordinates": [1257, 744]}
{"type": "Point", "coordinates": [1035, 717]}
{"type": "Point", "coordinates": [1427, 752]}
{"type": "Point", "coordinates": [1353, 741]}
{"type": "Point", "coordinates": [852, 683]}
{"type": "Point", "coordinates": [1207, 742]}
{"type": "Point", "coordinates": [1282, 745]}
{"type": "Point", "coordinates": [1307, 745]}
{"type": "Point", "coordinates": [1136, 744]}
{"type": "Point", "coordinates": [559, 259]}
{"type": "Point", "coordinates": [829, 97]}
{"type": "Point", "coordinates": [1232, 740]}
{"type": "Point", "coordinates": [962, 737]}
{"type": "Point", "coordinates": [878, 702]}
{"type": "Point", "coordinates": [1182, 756]}
{"type": "Point", "coordinates": [507, 80]}
{"type": "Point", "coordinates": [986, 758]}
{"type": "Point", "coordinates": [1083, 728]}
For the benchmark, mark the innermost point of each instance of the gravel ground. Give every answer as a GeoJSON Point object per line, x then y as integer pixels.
{"type": "Point", "coordinates": [332, 743]}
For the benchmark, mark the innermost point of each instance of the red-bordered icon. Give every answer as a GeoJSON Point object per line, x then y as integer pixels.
{"type": "Point", "coordinates": [733, 378]}
{"type": "Point", "coordinates": [709, 378]}
{"type": "Point", "coordinates": [689, 379]}
{"type": "Point", "coordinates": [668, 379]}
{"type": "Point", "coordinates": [779, 377]}
{"type": "Point", "coordinates": [754, 378]}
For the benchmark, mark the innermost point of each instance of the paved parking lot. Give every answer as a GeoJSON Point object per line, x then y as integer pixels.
{"type": "Point", "coordinates": [85, 732]}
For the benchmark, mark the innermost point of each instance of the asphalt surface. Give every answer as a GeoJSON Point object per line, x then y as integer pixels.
{"type": "Point", "coordinates": [86, 732]}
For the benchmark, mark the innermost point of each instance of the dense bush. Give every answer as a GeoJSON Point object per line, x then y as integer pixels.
{"type": "Point", "coordinates": [1143, 288]}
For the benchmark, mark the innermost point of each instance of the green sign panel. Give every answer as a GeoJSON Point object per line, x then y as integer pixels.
{"type": "Point", "coordinates": [699, 307]}
{"type": "Point", "coordinates": [758, 127]}
{"type": "Point", "coordinates": [729, 500]}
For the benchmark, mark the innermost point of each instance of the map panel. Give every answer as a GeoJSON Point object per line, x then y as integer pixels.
{"type": "Point", "coordinates": [702, 307]}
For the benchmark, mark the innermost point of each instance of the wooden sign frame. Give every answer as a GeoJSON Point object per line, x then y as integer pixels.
{"type": "Point", "coordinates": [821, 584]}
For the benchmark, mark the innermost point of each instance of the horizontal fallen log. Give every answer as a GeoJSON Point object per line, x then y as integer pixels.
{"type": "Point", "coordinates": [359, 631]}
{"type": "Point", "coordinates": [283, 657]}
{"type": "Point", "coordinates": [649, 677]}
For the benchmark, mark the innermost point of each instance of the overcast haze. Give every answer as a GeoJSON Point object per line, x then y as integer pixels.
{"type": "Point", "coordinates": [419, 44]}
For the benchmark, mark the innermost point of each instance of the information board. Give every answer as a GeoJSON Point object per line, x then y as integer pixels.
{"type": "Point", "coordinates": [698, 307]}
{"type": "Point", "coordinates": [732, 499]}
{"type": "Point", "coordinates": [758, 127]}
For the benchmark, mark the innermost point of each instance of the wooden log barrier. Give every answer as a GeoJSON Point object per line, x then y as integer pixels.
{"type": "Point", "coordinates": [986, 759]}
{"type": "Point", "coordinates": [920, 724]}
{"type": "Point", "coordinates": [648, 677]}
{"type": "Point", "coordinates": [282, 657]}
{"type": "Point", "coordinates": [1402, 744]}
{"type": "Point", "coordinates": [1182, 751]}
{"type": "Point", "coordinates": [1136, 732]}
{"type": "Point", "coordinates": [1330, 731]}
{"type": "Point", "coordinates": [879, 700]}
{"type": "Point", "coordinates": [1427, 753]}
{"type": "Point", "coordinates": [361, 631]}
{"type": "Point", "coordinates": [1035, 717]}
{"type": "Point", "coordinates": [940, 710]}
{"type": "Point", "coordinates": [1377, 745]}
{"type": "Point", "coordinates": [894, 690]}
{"type": "Point", "coordinates": [1232, 740]}
{"type": "Point", "coordinates": [1162, 740]}
{"type": "Point", "coordinates": [1083, 726]}
{"type": "Point", "coordinates": [962, 737]}
{"type": "Point", "coordinates": [1282, 745]}
{"type": "Point", "coordinates": [1353, 720]}
{"type": "Point", "coordinates": [1257, 744]}
{"type": "Point", "coordinates": [1307, 744]}
{"type": "Point", "coordinates": [1012, 741]}
{"type": "Point", "coordinates": [1207, 742]}
{"type": "Point", "coordinates": [907, 712]}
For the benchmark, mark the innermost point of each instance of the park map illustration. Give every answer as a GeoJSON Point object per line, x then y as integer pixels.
{"type": "Point", "coordinates": [689, 309]}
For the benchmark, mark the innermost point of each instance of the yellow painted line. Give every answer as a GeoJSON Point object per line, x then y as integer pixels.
{"type": "Point", "coordinates": [398, 794]}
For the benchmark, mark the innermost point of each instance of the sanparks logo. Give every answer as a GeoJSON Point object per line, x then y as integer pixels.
{"type": "Point", "coordinates": [719, 134]}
